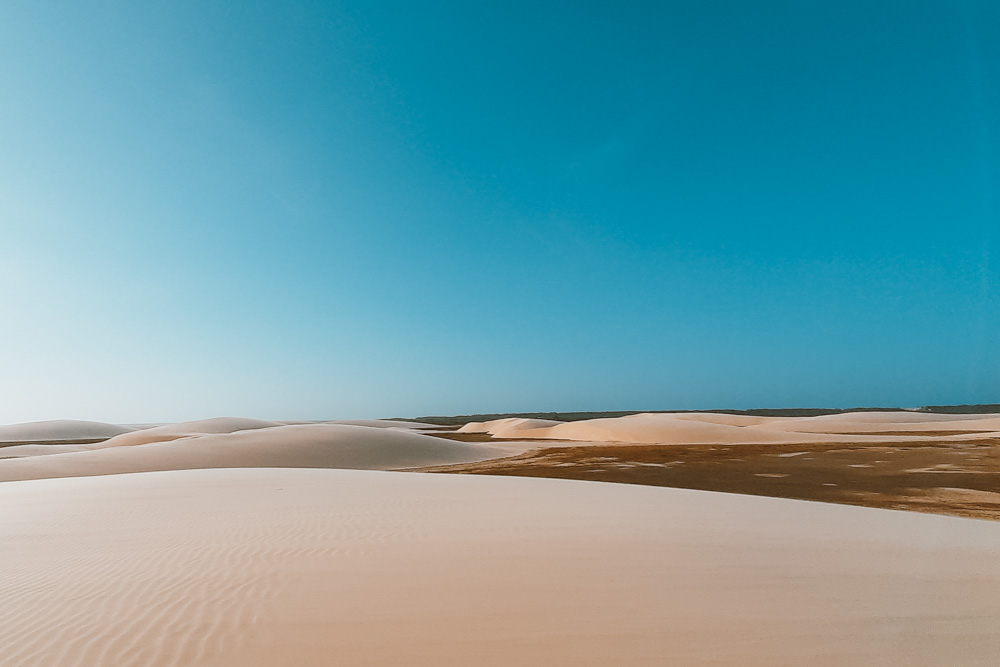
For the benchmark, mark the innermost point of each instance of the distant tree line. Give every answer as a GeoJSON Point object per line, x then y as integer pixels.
{"type": "Point", "coordinates": [458, 420]}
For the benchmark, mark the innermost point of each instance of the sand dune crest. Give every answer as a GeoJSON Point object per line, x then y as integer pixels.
{"type": "Point", "coordinates": [188, 429]}
{"type": "Point", "coordinates": [295, 446]}
{"type": "Point", "coordinates": [711, 428]}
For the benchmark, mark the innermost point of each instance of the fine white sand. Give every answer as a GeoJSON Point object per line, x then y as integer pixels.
{"type": "Point", "coordinates": [60, 429]}
{"type": "Point", "coordinates": [294, 446]}
{"type": "Point", "coordinates": [709, 428]}
{"type": "Point", "coordinates": [385, 423]}
{"type": "Point", "coordinates": [187, 429]}
{"type": "Point", "coordinates": [263, 567]}
{"type": "Point", "coordinates": [229, 442]}
{"type": "Point", "coordinates": [510, 427]}
{"type": "Point", "coordinates": [873, 422]}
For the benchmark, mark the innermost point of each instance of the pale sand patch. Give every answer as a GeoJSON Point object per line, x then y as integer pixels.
{"type": "Point", "coordinates": [510, 427]}
{"type": "Point", "coordinates": [186, 429]}
{"type": "Point", "coordinates": [386, 423]}
{"type": "Point", "coordinates": [709, 428]}
{"type": "Point", "coordinates": [897, 417]}
{"type": "Point", "coordinates": [327, 567]}
{"type": "Point", "coordinates": [60, 430]}
{"type": "Point", "coordinates": [722, 418]}
{"type": "Point", "coordinates": [875, 422]}
{"type": "Point", "coordinates": [295, 446]}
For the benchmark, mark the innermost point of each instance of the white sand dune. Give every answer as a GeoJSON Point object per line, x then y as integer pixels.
{"type": "Point", "coordinates": [709, 428]}
{"type": "Point", "coordinates": [898, 417]}
{"type": "Point", "coordinates": [320, 567]}
{"type": "Point", "coordinates": [668, 429]}
{"type": "Point", "coordinates": [60, 429]}
{"type": "Point", "coordinates": [874, 422]}
{"type": "Point", "coordinates": [722, 418]}
{"type": "Point", "coordinates": [384, 423]}
{"type": "Point", "coordinates": [509, 427]}
{"type": "Point", "coordinates": [378, 423]}
{"type": "Point", "coordinates": [640, 428]}
{"type": "Point", "coordinates": [229, 442]}
{"type": "Point", "coordinates": [188, 429]}
{"type": "Point", "coordinates": [296, 446]}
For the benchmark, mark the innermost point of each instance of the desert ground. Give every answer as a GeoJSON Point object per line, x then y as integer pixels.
{"type": "Point", "coordinates": [237, 541]}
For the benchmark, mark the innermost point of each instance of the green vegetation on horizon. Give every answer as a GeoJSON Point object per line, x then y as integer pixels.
{"type": "Point", "coordinates": [456, 420]}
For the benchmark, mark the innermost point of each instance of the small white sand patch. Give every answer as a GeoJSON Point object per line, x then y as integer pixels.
{"type": "Point", "coordinates": [948, 468]}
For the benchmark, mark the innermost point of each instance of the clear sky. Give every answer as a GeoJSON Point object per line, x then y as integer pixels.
{"type": "Point", "coordinates": [294, 209]}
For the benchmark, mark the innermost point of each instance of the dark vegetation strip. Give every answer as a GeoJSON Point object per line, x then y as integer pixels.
{"type": "Point", "coordinates": [457, 420]}
{"type": "Point", "coordinates": [77, 441]}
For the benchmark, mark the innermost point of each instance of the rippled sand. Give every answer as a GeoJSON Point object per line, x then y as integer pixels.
{"type": "Point", "coordinates": [333, 567]}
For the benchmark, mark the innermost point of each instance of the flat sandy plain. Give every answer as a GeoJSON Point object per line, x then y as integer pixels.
{"type": "Point", "coordinates": [247, 542]}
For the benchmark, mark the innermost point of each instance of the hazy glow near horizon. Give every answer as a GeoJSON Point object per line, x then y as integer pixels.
{"type": "Point", "coordinates": [358, 209]}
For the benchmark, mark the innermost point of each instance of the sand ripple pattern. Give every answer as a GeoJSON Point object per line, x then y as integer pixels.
{"type": "Point", "coordinates": [171, 588]}
{"type": "Point", "coordinates": [263, 567]}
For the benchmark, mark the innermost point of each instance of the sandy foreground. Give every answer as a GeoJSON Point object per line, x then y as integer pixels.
{"type": "Point", "coordinates": [316, 567]}
{"type": "Point", "coordinates": [234, 541]}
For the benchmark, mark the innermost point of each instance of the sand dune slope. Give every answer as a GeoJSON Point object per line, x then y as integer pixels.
{"type": "Point", "coordinates": [19, 451]}
{"type": "Point", "coordinates": [295, 446]}
{"type": "Point", "coordinates": [384, 423]}
{"type": "Point", "coordinates": [509, 427]}
{"type": "Point", "coordinates": [187, 429]}
{"type": "Point", "coordinates": [898, 417]}
{"type": "Point", "coordinates": [60, 429]}
{"type": "Point", "coordinates": [709, 428]}
{"type": "Point", "coordinates": [659, 428]}
{"type": "Point", "coordinates": [328, 567]}
{"type": "Point", "coordinates": [650, 428]}
{"type": "Point", "coordinates": [722, 418]}
{"type": "Point", "coordinates": [875, 422]}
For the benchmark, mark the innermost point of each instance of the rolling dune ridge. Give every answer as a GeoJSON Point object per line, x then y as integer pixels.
{"type": "Point", "coordinates": [709, 428]}
{"type": "Point", "coordinates": [249, 444]}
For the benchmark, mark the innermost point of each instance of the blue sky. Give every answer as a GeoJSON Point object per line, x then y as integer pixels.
{"type": "Point", "coordinates": [357, 209]}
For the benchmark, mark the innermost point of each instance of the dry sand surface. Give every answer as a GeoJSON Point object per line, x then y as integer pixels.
{"type": "Point", "coordinates": [69, 448]}
{"type": "Point", "coordinates": [60, 430]}
{"type": "Point", "coordinates": [957, 479]}
{"type": "Point", "coordinates": [228, 545]}
{"type": "Point", "coordinates": [332, 567]}
{"type": "Point", "coordinates": [239, 443]}
{"type": "Point", "coordinates": [709, 428]}
{"type": "Point", "coordinates": [945, 464]}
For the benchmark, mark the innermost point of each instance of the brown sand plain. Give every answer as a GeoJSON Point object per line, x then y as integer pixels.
{"type": "Point", "coordinates": [959, 480]}
{"type": "Point", "coordinates": [919, 462]}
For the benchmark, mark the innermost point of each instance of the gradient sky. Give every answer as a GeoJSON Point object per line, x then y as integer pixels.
{"type": "Point", "coordinates": [355, 209]}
